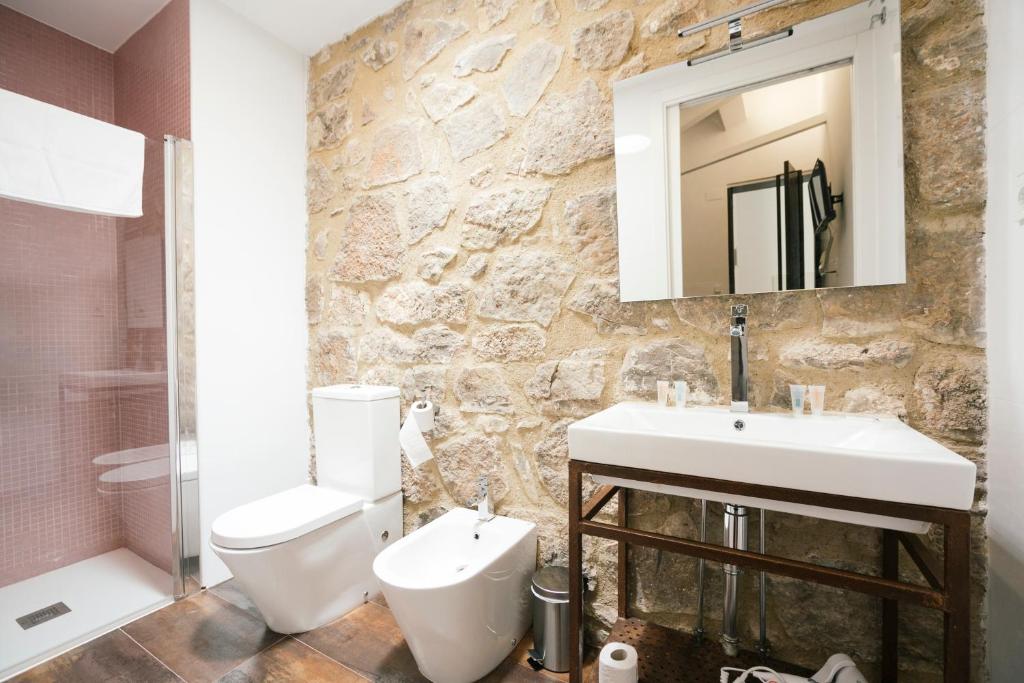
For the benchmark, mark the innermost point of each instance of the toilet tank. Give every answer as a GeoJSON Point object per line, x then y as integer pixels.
{"type": "Point", "coordinates": [355, 427]}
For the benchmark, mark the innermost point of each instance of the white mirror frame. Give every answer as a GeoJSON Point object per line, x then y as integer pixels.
{"type": "Point", "coordinates": [647, 154]}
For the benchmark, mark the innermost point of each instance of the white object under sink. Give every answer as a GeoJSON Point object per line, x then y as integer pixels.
{"type": "Point", "coordinates": [878, 458]}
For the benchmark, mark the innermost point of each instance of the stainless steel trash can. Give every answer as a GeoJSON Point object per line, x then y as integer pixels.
{"type": "Point", "coordinates": [550, 590]}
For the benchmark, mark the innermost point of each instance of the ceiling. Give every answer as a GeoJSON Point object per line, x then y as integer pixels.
{"type": "Point", "coordinates": [103, 23]}
{"type": "Point", "coordinates": [308, 25]}
{"type": "Point", "coordinates": [305, 25]}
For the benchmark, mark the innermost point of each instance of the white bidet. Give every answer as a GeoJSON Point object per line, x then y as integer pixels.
{"type": "Point", "coordinates": [459, 589]}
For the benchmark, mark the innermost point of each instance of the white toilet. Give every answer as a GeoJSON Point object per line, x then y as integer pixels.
{"type": "Point", "coordinates": [304, 556]}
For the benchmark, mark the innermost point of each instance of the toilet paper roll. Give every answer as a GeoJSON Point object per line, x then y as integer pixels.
{"type": "Point", "coordinates": [423, 411]}
{"type": "Point", "coordinates": [617, 664]}
{"type": "Point", "coordinates": [410, 437]}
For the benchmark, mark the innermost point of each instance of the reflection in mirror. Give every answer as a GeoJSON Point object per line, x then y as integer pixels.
{"type": "Point", "coordinates": [764, 179]}
{"type": "Point", "coordinates": [768, 168]}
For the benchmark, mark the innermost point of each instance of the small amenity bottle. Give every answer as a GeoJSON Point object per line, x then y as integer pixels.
{"type": "Point", "coordinates": [796, 394]}
{"type": "Point", "coordinates": [682, 393]}
{"type": "Point", "coordinates": [816, 397]}
{"type": "Point", "coordinates": [663, 392]}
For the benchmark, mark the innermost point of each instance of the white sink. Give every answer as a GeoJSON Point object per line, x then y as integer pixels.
{"type": "Point", "coordinates": [850, 455]}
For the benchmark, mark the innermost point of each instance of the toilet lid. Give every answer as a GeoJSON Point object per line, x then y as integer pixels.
{"type": "Point", "coordinates": [282, 517]}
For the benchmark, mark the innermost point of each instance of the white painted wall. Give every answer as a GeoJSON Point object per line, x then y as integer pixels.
{"type": "Point", "coordinates": [1005, 322]}
{"type": "Point", "coordinates": [249, 134]}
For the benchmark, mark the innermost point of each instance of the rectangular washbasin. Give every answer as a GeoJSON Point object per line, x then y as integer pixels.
{"type": "Point", "coordinates": [878, 458]}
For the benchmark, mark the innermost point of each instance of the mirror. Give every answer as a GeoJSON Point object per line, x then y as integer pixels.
{"type": "Point", "coordinates": [769, 169]}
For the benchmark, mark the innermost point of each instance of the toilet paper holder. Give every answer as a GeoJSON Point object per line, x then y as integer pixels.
{"type": "Point", "coordinates": [422, 403]}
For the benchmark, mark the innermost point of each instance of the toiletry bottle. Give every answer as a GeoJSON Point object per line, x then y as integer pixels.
{"type": "Point", "coordinates": [663, 392]}
{"type": "Point", "coordinates": [816, 397]}
{"type": "Point", "coordinates": [796, 395]}
{"type": "Point", "coordinates": [682, 393]}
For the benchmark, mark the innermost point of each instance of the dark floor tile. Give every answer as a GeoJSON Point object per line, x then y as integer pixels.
{"type": "Point", "coordinates": [202, 637]}
{"type": "Point", "coordinates": [516, 668]}
{"type": "Point", "coordinates": [233, 593]}
{"type": "Point", "coordinates": [111, 657]}
{"type": "Point", "coordinates": [510, 672]}
{"type": "Point", "coordinates": [289, 660]}
{"type": "Point", "coordinates": [368, 640]}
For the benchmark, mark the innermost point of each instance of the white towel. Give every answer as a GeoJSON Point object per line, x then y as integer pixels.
{"type": "Point", "coordinates": [55, 157]}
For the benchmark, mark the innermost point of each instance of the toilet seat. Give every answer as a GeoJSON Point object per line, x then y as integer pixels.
{"type": "Point", "coordinates": [282, 517]}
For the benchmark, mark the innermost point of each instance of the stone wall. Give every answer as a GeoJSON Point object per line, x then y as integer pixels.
{"type": "Point", "coordinates": [462, 243]}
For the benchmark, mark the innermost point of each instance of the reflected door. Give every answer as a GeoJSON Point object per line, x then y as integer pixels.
{"type": "Point", "coordinates": [754, 248]}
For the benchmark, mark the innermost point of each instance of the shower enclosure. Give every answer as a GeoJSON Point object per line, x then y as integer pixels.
{"type": "Point", "coordinates": [98, 456]}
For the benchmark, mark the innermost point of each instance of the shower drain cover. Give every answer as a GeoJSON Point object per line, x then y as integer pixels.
{"type": "Point", "coordinates": [42, 615]}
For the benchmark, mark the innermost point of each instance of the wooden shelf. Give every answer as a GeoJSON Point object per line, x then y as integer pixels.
{"type": "Point", "coordinates": [668, 655]}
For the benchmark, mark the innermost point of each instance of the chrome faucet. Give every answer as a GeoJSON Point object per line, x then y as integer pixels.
{"type": "Point", "coordinates": [738, 335]}
{"type": "Point", "coordinates": [484, 512]}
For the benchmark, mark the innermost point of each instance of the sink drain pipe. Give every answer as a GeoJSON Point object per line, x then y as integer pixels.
{"type": "Point", "coordinates": [699, 631]}
{"type": "Point", "coordinates": [763, 648]}
{"type": "Point", "coordinates": [735, 536]}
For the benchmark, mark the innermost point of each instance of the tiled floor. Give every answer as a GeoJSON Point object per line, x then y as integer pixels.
{"type": "Point", "coordinates": [217, 635]}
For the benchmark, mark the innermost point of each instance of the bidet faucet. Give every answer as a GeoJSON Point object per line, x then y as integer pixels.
{"type": "Point", "coordinates": [738, 339]}
{"type": "Point", "coordinates": [484, 513]}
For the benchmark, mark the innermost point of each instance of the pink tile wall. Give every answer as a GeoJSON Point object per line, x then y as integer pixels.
{"type": "Point", "coordinates": [151, 91]}
{"type": "Point", "coordinates": [45, 64]}
{"type": "Point", "coordinates": [151, 95]}
{"type": "Point", "coordinates": [66, 282]}
{"type": "Point", "coordinates": [58, 315]}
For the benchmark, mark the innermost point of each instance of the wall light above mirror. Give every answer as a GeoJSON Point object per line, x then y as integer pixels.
{"type": "Point", "coordinates": [771, 168]}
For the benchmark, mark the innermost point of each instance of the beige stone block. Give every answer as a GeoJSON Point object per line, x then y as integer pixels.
{"type": "Point", "coordinates": [462, 460]}
{"type": "Point", "coordinates": [603, 44]}
{"type": "Point", "coordinates": [484, 56]}
{"type": "Point", "coordinates": [530, 76]}
{"type": "Point", "coordinates": [565, 131]}
{"type": "Point", "coordinates": [371, 246]}
{"type": "Point", "coordinates": [945, 139]}
{"type": "Point", "coordinates": [825, 355]}
{"type": "Point", "coordinates": [395, 154]}
{"type": "Point", "coordinates": [320, 189]}
{"type": "Point", "coordinates": [668, 359]}
{"type": "Point", "coordinates": [509, 343]}
{"type": "Point", "coordinates": [414, 303]}
{"type": "Point", "coordinates": [482, 389]}
{"type": "Point", "coordinates": [525, 285]}
{"type": "Point", "coordinates": [424, 39]}
{"type": "Point", "coordinates": [599, 298]}
{"type": "Point", "coordinates": [503, 216]}
{"type": "Point", "coordinates": [476, 127]}
{"type": "Point", "coordinates": [433, 263]}
{"type": "Point", "coordinates": [952, 395]}
{"type": "Point", "coordinates": [490, 13]}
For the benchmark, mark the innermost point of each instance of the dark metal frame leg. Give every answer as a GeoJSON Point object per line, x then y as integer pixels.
{"type": "Point", "coordinates": [890, 608]}
{"type": "Point", "coordinates": [575, 573]}
{"type": "Point", "coordinates": [957, 582]}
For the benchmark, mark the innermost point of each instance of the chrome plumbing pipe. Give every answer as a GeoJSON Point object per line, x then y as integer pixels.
{"type": "Point", "coordinates": [762, 641]}
{"type": "Point", "coordinates": [699, 631]}
{"type": "Point", "coordinates": [735, 536]}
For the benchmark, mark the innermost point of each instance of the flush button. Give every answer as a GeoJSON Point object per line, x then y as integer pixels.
{"type": "Point", "coordinates": [739, 425]}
